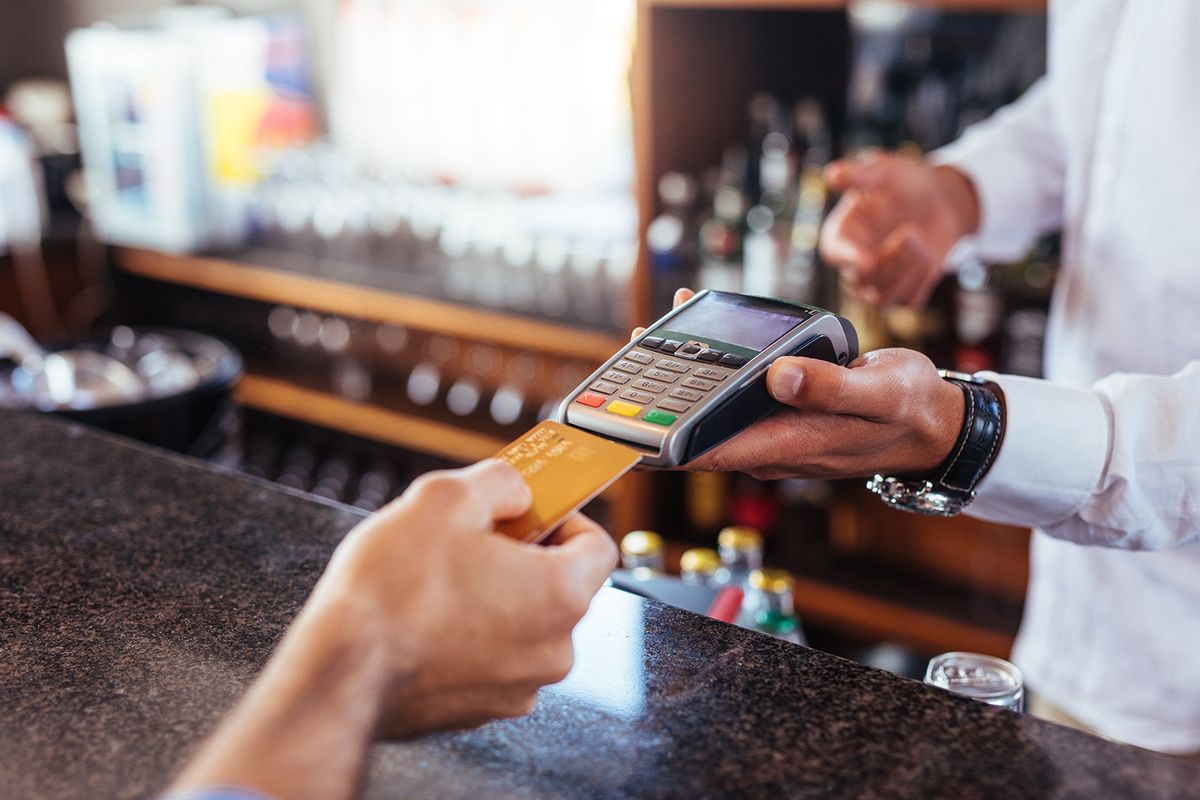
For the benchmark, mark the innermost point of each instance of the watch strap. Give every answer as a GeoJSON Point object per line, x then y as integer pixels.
{"type": "Point", "coordinates": [947, 489]}
{"type": "Point", "coordinates": [978, 441]}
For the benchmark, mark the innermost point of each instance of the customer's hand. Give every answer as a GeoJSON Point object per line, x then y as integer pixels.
{"type": "Point", "coordinates": [890, 412]}
{"type": "Point", "coordinates": [896, 222]}
{"type": "Point", "coordinates": [469, 624]}
{"type": "Point", "coordinates": [425, 619]}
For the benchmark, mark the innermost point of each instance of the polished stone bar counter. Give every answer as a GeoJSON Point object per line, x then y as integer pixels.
{"type": "Point", "coordinates": [140, 592]}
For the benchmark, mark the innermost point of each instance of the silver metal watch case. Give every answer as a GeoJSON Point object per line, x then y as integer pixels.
{"type": "Point", "coordinates": [923, 496]}
{"type": "Point", "coordinates": [920, 497]}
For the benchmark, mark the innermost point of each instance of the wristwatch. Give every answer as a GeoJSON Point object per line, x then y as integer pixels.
{"type": "Point", "coordinates": [950, 487]}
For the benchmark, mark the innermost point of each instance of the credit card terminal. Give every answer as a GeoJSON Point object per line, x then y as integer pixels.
{"type": "Point", "coordinates": [698, 375]}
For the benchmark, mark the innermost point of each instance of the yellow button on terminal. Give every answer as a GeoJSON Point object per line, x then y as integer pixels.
{"type": "Point", "coordinates": [623, 408]}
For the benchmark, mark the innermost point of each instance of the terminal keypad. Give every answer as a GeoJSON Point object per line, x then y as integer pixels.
{"type": "Point", "coordinates": [662, 389]}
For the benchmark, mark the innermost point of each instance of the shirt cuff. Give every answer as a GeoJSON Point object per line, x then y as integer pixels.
{"type": "Point", "coordinates": [1007, 218]}
{"type": "Point", "coordinates": [1055, 448]}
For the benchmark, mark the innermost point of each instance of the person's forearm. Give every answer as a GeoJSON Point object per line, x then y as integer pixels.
{"type": "Point", "coordinates": [960, 196]}
{"type": "Point", "coordinates": [1017, 166]}
{"type": "Point", "coordinates": [304, 728]}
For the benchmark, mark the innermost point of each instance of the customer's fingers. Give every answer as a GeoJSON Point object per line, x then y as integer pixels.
{"type": "Point", "coordinates": [586, 551]}
{"type": "Point", "coordinates": [492, 486]}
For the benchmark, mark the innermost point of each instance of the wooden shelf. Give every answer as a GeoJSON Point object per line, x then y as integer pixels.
{"type": "Point", "coordinates": [286, 399]}
{"type": "Point", "coordinates": [628, 497]}
{"type": "Point", "coordinates": [269, 285]}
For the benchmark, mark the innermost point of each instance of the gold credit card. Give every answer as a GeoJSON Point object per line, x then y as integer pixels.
{"type": "Point", "coordinates": [565, 467]}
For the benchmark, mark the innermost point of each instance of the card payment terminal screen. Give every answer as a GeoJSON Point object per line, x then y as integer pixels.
{"type": "Point", "coordinates": [735, 321]}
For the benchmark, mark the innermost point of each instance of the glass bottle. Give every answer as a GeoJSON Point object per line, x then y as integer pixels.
{"type": "Point", "coordinates": [740, 549]}
{"type": "Point", "coordinates": [670, 239]}
{"type": "Point", "coordinates": [642, 553]}
{"type": "Point", "coordinates": [773, 610]}
{"type": "Point", "coordinates": [698, 566]}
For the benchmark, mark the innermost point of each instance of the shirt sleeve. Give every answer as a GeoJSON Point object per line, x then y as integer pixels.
{"type": "Point", "coordinates": [1017, 163]}
{"type": "Point", "coordinates": [1116, 465]}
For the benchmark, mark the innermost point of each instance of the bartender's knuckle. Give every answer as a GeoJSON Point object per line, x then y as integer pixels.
{"type": "Point", "coordinates": [839, 393]}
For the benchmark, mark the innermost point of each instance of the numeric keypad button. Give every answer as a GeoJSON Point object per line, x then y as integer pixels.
{"type": "Point", "coordinates": [700, 384]}
{"type": "Point", "coordinates": [661, 375]}
{"type": "Point", "coordinates": [641, 358]}
{"type": "Point", "coordinates": [671, 365]}
{"type": "Point", "coordinates": [710, 374]}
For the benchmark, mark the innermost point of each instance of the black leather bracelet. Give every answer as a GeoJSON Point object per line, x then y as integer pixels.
{"type": "Point", "coordinates": [946, 490]}
{"type": "Point", "coordinates": [978, 441]}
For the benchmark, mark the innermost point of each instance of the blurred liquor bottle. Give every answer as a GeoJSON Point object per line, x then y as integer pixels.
{"type": "Point", "coordinates": [671, 239]}
{"type": "Point", "coordinates": [741, 551]}
{"type": "Point", "coordinates": [698, 566]}
{"type": "Point", "coordinates": [642, 553]}
{"type": "Point", "coordinates": [771, 605]}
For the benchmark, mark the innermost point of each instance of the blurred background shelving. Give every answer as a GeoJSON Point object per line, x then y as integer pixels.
{"type": "Point", "coordinates": [436, 310]}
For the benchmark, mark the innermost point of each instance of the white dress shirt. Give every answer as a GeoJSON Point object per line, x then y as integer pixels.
{"type": "Point", "coordinates": [1103, 458]}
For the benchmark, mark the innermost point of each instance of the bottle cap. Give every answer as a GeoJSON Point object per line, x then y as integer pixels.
{"type": "Point", "coordinates": [702, 560]}
{"type": "Point", "coordinates": [771, 581]}
{"type": "Point", "coordinates": [740, 537]}
{"type": "Point", "coordinates": [641, 543]}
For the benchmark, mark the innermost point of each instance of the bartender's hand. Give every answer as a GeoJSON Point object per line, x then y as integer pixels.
{"type": "Point", "coordinates": [425, 619]}
{"type": "Point", "coordinates": [896, 222]}
{"type": "Point", "coordinates": [889, 412]}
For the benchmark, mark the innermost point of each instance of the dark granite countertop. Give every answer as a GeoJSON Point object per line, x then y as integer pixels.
{"type": "Point", "coordinates": [140, 593]}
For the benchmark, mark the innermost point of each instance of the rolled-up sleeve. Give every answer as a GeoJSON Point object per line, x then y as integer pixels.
{"type": "Point", "coordinates": [1116, 465]}
{"type": "Point", "coordinates": [1017, 163]}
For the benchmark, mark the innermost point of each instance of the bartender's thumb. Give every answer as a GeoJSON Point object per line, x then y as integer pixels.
{"type": "Point", "coordinates": [867, 172]}
{"type": "Point", "coordinates": [813, 385]}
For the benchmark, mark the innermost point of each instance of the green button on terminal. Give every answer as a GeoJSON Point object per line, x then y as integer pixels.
{"type": "Point", "coordinates": [660, 417]}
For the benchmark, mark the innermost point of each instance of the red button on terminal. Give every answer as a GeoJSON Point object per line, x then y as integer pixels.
{"type": "Point", "coordinates": [591, 399]}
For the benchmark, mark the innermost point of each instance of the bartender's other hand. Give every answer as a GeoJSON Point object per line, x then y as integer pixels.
{"type": "Point", "coordinates": [890, 233]}
{"type": "Point", "coordinates": [890, 412]}
{"type": "Point", "coordinates": [467, 624]}
{"type": "Point", "coordinates": [682, 295]}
